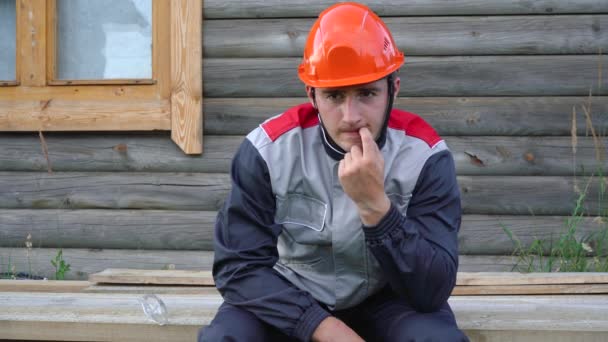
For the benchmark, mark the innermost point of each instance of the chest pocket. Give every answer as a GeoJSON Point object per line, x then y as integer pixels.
{"type": "Point", "coordinates": [303, 219]}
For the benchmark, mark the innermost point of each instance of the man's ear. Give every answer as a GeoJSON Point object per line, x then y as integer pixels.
{"type": "Point", "coordinates": [310, 93]}
{"type": "Point", "coordinates": [397, 86]}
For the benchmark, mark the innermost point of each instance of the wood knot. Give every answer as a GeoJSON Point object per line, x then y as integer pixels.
{"type": "Point", "coordinates": [122, 148]}
{"type": "Point", "coordinates": [292, 34]}
{"type": "Point", "coordinates": [529, 157]}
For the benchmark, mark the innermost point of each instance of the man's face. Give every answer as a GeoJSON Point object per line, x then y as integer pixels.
{"type": "Point", "coordinates": [345, 110]}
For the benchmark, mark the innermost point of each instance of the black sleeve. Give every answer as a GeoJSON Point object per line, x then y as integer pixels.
{"type": "Point", "coordinates": [419, 252]}
{"type": "Point", "coordinates": [246, 251]}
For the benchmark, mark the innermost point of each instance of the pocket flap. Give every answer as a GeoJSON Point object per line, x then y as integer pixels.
{"type": "Point", "coordinates": [301, 210]}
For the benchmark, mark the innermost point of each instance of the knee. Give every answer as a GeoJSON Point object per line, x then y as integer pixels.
{"type": "Point", "coordinates": [232, 324]}
{"type": "Point", "coordinates": [426, 328]}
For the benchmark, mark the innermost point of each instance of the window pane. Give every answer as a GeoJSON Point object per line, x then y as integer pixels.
{"type": "Point", "coordinates": [104, 39]}
{"type": "Point", "coordinates": [8, 38]}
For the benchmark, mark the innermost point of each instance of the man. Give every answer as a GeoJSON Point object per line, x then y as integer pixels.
{"type": "Point", "coordinates": [342, 219]}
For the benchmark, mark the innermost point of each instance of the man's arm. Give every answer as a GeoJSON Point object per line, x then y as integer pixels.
{"type": "Point", "coordinates": [246, 251]}
{"type": "Point", "coordinates": [419, 252]}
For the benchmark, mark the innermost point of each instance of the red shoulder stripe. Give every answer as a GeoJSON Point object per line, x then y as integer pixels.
{"type": "Point", "coordinates": [304, 116]}
{"type": "Point", "coordinates": [414, 126]}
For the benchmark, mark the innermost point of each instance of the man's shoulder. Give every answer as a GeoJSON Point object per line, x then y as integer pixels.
{"type": "Point", "coordinates": [414, 126]}
{"type": "Point", "coordinates": [300, 116]}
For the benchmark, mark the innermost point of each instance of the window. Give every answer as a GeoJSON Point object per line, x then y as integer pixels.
{"type": "Point", "coordinates": [102, 65]}
{"type": "Point", "coordinates": [8, 36]}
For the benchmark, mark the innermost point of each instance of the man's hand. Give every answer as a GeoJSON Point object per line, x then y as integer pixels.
{"type": "Point", "coordinates": [332, 329]}
{"type": "Point", "coordinates": [361, 174]}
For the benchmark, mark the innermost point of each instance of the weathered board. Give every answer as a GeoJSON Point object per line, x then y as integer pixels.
{"type": "Point", "coordinates": [474, 155]}
{"type": "Point", "coordinates": [448, 115]}
{"type": "Point", "coordinates": [215, 9]}
{"type": "Point", "coordinates": [112, 317]}
{"type": "Point", "coordinates": [154, 277]}
{"type": "Point", "coordinates": [193, 230]}
{"type": "Point", "coordinates": [423, 36]}
{"type": "Point", "coordinates": [536, 75]}
{"type": "Point", "coordinates": [87, 261]}
{"type": "Point", "coordinates": [507, 195]}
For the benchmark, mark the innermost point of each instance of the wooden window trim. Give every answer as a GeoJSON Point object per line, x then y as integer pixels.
{"type": "Point", "coordinates": [172, 102]}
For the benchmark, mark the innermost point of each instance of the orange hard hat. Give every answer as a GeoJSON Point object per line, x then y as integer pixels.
{"type": "Point", "coordinates": [347, 45]}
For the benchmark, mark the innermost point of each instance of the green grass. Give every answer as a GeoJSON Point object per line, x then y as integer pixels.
{"type": "Point", "coordinates": [572, 251]}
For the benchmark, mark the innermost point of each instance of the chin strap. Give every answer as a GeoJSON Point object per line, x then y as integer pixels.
{"type": "Point", "coordinates": [333, 149]}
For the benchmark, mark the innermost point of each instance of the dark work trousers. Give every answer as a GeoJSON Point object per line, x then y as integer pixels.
{"type": "Point", "coordinates": [383, 317]}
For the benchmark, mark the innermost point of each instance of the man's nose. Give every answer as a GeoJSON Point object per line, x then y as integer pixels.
{"type": "Point", "coordinates": [350, 110]}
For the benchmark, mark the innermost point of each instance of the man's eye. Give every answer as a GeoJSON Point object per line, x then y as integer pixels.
{"type": "Point", "coordinates": [367, 93]}
{"type": "Point", "coordinates": [333, 96]}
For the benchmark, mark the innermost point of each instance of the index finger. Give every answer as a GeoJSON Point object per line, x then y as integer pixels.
{"type": "Point", "coordinates": [367, 140]}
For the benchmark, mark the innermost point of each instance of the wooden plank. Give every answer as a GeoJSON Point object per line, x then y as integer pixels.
{"type": "Point", "coordinates": [528, 195]}
{"type": "Point", "coordinates": [31, 43]}
{"type": "Point", "coordinates": [542, 312]}
{"type": "Point", "coordinates": [474, 155]}
{"type": "Point", "coordinates": [528, 313]}
{"type": "Point", "coordinates": [486, 290]}
{"type": "Point", "coordinates": [186, 82]}
{"type": "Point", "coordinates": [423, 76]}
{"type": "Point", "coordinates": [113, 191]}
{"type": "Point", "coordinates": [216, 9]}
{"type": "Point", "coordinates": [87, 261]}
{"type": "Point", "coordinates": [514, 278]}
{"type": "Point", "coordinates": [151, 289]}
{"type": "Point", "coordinates": [79, 92]}
{"type": "Point", "coordinates": [193, 230]}
{"type": "Point", "coordinates": [484, 234]}
{"type": "Point", "coordinates": [424, 36]}
{"type": "Point", "coordinates": [55, 286]}
{"type": "Point", "coordinates": [74, 331]}
{"type": "Point", "coordinates": [161, 58]}
{"type": "Point", "coordinates": [65, 115]}
{"type": "Point", "coordinates": [519, 195]}
{"type": "Point", "coordinates": [534, 336]}
{"type": "Point", "coordinates": [153, 277]}
{"type": "Point", "coordinates": [448, 115]}
{"type": "Point", "coordinates": [114, 229]}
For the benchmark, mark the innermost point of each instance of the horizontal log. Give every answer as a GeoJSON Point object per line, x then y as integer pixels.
{"type": "Point", "coordinates": [424, 36]}
{"type": "Point", "coordinates": [218, 9]}
{"type": "Point", "coordinates": [448, 115]}
{"type": "Point", "coordinates": [165, 191]}
{"type": "Point", "coordinates": [530, 195]}
{"type": "Point", "coordinates": [112, 229]}
{"type": "Point", "coordinates": [84, 262]}
{"type": "Point", "coordinates": [423, 76]}
{"type": "Point", "coordinates": [193, 230]}
{"type": "Point", "coordinates": [507, 195]}
{"type": "Point", "coordinates": [474, 155]}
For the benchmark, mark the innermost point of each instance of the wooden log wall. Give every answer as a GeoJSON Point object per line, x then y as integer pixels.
{"type": "Point", "coordinates": [507, 83]}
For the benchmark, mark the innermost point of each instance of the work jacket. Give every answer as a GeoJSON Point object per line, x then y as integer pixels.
{"type": "Point", "coordinates": [290, 246]}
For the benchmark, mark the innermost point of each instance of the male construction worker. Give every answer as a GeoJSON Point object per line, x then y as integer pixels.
{"type": "Point", "coordinates": [342, 219]}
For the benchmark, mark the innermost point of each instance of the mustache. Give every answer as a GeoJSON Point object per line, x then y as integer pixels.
{"type": "Point", "coordinates": [349, 128]}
